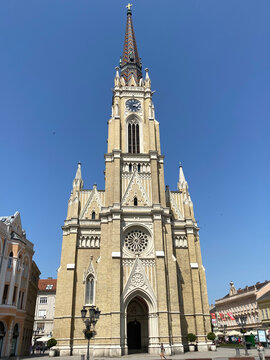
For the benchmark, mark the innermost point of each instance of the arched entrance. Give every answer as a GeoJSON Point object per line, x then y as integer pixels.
{"type": "Point", "coordinates": [14, 340]}
{"type": "Point", "coordinates": [137, 326]}
{"type": "Point", "coordinates": [2, 336]}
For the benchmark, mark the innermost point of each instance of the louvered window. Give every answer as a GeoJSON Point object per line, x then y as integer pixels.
{"type": "Point", "coordinates": [133, 138]}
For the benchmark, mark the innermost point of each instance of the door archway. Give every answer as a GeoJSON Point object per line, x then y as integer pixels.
{"type": "Point", "coordinates": [137, 325]}
{"type": "Point", "coordinates": [14, 340]}
{"type": "Point", "coordinates": [2, 336]}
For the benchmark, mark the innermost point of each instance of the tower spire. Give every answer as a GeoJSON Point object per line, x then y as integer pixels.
{"type": "Point", "coordinates": [78, 181]}
{"type": "Point", "coordinates": [130, 63]}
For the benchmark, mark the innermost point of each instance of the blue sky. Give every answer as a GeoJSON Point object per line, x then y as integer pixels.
{"type": "Point", "coordinates": [209, 64]}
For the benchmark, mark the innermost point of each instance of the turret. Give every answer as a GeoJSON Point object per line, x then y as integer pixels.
{"type": "Point", "coordinates": [74, 201]}
{"type": "Point", "coordinates": [117, 77]}
{"type": "Point", "coordinates": [183, 188]}
{"type": "Point", "coordinates": [78, 181]}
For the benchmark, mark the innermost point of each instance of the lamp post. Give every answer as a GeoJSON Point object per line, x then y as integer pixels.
{"type": "Point", "coordinates": [35, 334]}
{"type": "Point", "coordinates": [223, 329]}
{"type": "Point", "coordinates": [242, 320]}
{"type": "Point", "coordinates": [92, 319]}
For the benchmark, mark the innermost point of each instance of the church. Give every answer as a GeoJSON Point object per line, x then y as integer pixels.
{"type": "Point", "coordinates": [133, 249]}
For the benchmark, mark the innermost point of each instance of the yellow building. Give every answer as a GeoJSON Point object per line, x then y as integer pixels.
{"type": "Point", "coordinates": [132, 249]}
{"type": "Point", "coordinates": [263, 303]}
{"type": "Point", "coordinates": [18, 288]}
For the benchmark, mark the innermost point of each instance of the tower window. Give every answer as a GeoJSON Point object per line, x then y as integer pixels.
{"type": "Point", "coordinates": [130, 167]}
{"type": "Point", "coordinates": [93, 215]}
{"type": "Point", "coordinates": [135, 201]}
{"type": "Point", "coordinates": [139, 167]}
{"type": "Point", "coordinates": [133, 138]}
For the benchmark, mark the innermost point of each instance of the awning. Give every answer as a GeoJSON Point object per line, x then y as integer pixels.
{"type": "Point", "coordinates": [251, 332]}
{"type": "Point", "coordinates": [234, 333]}
{"type": "Point", "coordinates": [218, 333]}
{"type": "Point", "coordinates": [43, 339]}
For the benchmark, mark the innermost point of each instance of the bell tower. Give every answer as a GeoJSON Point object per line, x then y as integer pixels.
{"type": "Point", "coordinates": [132, 249]}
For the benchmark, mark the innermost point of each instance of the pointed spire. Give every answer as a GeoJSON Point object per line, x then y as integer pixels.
{"type": "Point", "coordinates": [147, 82]}
{"type": "Point", "coordinates": [79, 171]}
{"type": "Point", "coordinates": [117, 77]}
{"type": "Point", "coordinates": [182, 180]}
{"type": "Point", "coordinates": [78, 181]}
{"type": "Point", "coordinates": [130, 62]}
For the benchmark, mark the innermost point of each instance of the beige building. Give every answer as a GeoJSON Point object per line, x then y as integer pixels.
{"type": "Point", "coordinates": [45, 306]}
{"type": "Point", "coordinates": [241, 302]}
{"type": "Point", "coordinates": [18, 288]}
{"type": "Point", "coordinates": [132, 249]}
{"type": "Point", "coordinates": [263, 302]}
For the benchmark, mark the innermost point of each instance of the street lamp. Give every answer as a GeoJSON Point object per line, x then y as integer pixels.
{"type": "Point", "coordinates": [35, 335]}
{"type": "Point", "coordinates": [94, 314]}
{"type": "Point", "coordinates": [224, 329]}
{"type": "Point", "coordinates": [242, 321]}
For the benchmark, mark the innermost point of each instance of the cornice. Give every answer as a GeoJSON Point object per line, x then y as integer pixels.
{"type": "Point", "coordinates": [236, 297]}
{"type": "Point", "coordinates": [185, 224]}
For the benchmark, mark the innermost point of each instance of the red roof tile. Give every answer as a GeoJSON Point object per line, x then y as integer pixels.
{"type": "Point", "coordinates": [43, 284]}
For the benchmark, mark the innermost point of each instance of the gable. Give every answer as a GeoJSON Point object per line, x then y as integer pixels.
{"type": "Point", "coordinates": [135, 189]}
{"type": "Point", "coordinates": [138, 280]}
{"type": "Point", "coordinates": [93, 203]}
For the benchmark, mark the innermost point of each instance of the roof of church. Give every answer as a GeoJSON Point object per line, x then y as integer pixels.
{"type": "Point", "coordinates": [130, 63]}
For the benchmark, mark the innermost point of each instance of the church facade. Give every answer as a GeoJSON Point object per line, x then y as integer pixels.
{"type": "Point", "coordinates": [133, 249]}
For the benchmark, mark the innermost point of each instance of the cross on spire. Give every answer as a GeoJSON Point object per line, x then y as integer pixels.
{"type": "Point", "coordinates": [129, 6]}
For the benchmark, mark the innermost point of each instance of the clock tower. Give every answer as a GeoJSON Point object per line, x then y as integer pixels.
{"type": "Point", "coordinates": [132, 249]}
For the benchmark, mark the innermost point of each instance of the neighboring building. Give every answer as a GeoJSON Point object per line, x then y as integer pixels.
{"type": "Point", "coordinates": [45, 305]}
{"type": "Point", "coordinates": [30, 309]}
{"type": "Point", "coordinates": [132, 249]}
{"type": "Point", "coordinates": [18, 287]}
{"type": "Point", "coordinates": [236, 303]}
{"type": "Point", "coordinates": [263, 301]}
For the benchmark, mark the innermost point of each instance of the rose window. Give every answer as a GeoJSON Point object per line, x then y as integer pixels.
{"type": "Point", "coordinates": [136, 241]}
{"type": "Point", "coordinates": [137, 280]}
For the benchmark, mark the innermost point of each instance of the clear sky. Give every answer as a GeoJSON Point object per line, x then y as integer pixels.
{"type": "Point", "coordinates": [209, 64]}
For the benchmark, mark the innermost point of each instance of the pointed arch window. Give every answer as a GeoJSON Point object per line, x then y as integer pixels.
{"type": "Point", "coordinates": [135, 201]}
{"type": "Point", "coordinates": [93, 215]}
{"type": "Point", "coordinates": [90, 290]}
{"type": "Point", "coordinates": [133, 137]}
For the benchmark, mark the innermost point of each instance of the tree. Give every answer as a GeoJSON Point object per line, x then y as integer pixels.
{"type": "Point", "coordinates": [191, 337]}
{"type": "Point", "coordinates": [51, 342]}
{"type": "Point", "coordinates": [211, 336]}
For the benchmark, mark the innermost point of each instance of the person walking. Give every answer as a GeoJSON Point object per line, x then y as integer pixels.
{"type": "Point", "coordinates": [260, 350]}
{"type": "Point", "coordinates": [162, 351]}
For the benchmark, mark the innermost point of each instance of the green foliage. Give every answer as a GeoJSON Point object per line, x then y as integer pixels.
{"type": "Point", "coordinates": [211, 336]}
{"type": "Point", "coordinates": [51, 342]}
{"type": "Point", "coordinates": [191, 337]}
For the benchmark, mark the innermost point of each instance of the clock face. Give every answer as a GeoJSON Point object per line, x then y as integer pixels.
{"type": "Point", "coordinates": [133, 105]}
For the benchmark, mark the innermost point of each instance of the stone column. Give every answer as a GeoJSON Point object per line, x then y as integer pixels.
{"type": "Point", "coordinates": [12, 281]}
{"type": "Point", "coordinates": [3, 276]}
{"type": "Point", "coordinates": [19, 286]}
